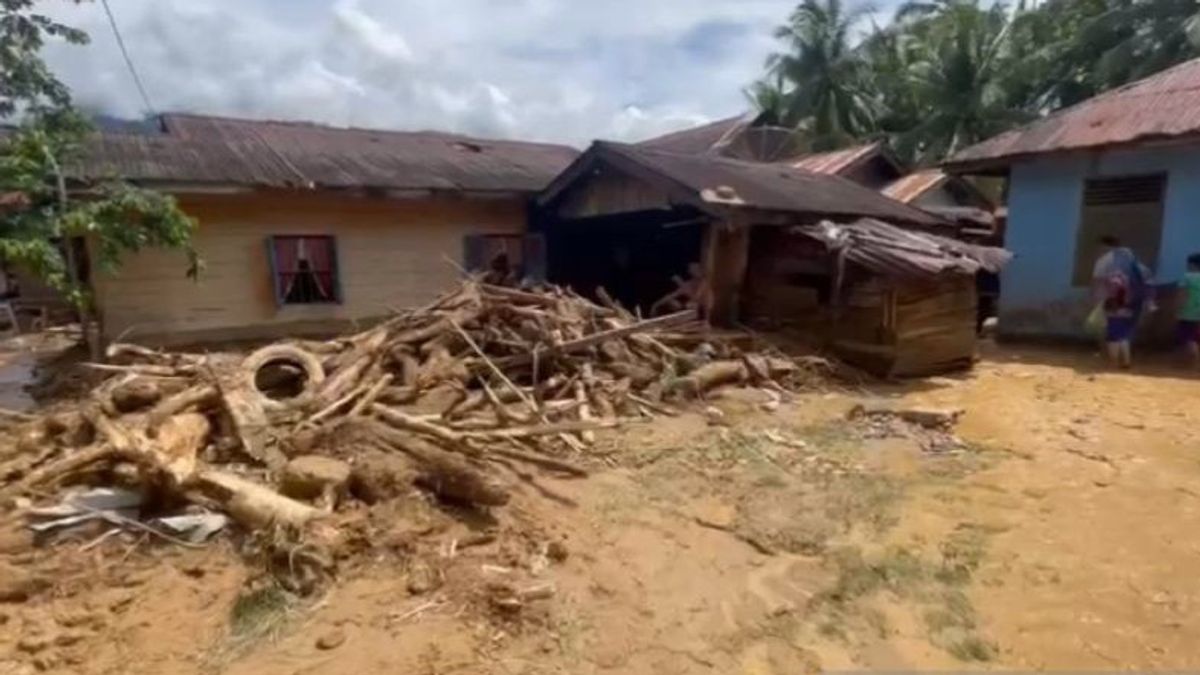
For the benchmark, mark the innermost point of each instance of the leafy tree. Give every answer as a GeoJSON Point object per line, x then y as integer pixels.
{"type": "Point", "coordinates": [946, 73]}
{"type": "Point", "coordinates": [45, 209]}
{"type": "Point", "coordinates": [827, 90]}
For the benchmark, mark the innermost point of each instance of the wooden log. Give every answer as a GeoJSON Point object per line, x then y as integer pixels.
{"type": "Point", "coordinates": [708, 376]}
{"type": "Point", "coordinates": [251, 504]}
{"type": "Point", "coordinates": [573, 346]}
{"type": "Point", "coordinates": [444, 473]}
{"type": "Point", "coordinates": [180, 440]}
{"type": "Point", "coordinates": [80, 459]}
{"type": "Point", "coordinates": [197, 396]}
{"type": "Point", "coordinates": [371, 395]}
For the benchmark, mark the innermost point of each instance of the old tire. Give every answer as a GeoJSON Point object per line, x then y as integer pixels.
{"type": "Point", "coordinates": [314, 373]}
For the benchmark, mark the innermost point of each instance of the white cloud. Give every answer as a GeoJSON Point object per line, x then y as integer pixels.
{"type": "Point", "coordinates": [559, 70]}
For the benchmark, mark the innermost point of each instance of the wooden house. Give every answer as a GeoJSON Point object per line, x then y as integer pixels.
{"type": "Point", "coordinates": [633, 219]}
{"type": "Point", "coordinates": [305, 228]}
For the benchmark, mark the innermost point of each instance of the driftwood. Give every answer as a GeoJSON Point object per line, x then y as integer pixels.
{"type": "Point", "coordinates": [485, 381]}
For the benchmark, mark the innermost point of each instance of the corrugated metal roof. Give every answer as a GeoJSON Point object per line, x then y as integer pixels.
{"type": "Point", "coordinates": [1166, 105]}
{"type": "Point", "coordinates": [700, 139]}
{"type": "Point", "coordinates": [720, 181]}
{"type": "Point", "coordinates": [837, 161]}
{"type": "Point", "coordinates": [894, 251]}
{"type": "Point", "coordinates": [910, 188]}
{"type": "Point", "coordinates": [202, 149]}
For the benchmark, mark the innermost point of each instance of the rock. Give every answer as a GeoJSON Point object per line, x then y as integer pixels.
{"type": "Point", "coordinates": [313, 476]}
{"type": "Point", "coordinates": [379, 476]}
{"type": "Point", "coordinates": [18, 585]}
{"type": "Point", "coordinates": [422, 578]}
{"type": "Point", "coordinates": [331, 640]}
{"type": "Point", "coordinates": [557, 551]}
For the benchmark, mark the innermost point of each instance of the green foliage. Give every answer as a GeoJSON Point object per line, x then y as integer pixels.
{"type": "Point", "coordinates": [945, 74]}
{"type": "Point", "coordinates": [35, 164]}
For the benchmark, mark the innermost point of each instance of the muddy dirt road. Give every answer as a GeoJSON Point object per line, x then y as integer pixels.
{"type": "Point", "coordinates": [1059, 534]}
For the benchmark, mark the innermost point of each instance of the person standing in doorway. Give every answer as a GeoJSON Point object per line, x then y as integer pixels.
{"type": "Point", "coordinates": [1120, 283]}
{"type": "Point", "coordinates": [1189, 309]}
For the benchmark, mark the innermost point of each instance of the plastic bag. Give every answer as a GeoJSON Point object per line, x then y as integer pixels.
{"type": "Point", "coordinates": [1095, 322]}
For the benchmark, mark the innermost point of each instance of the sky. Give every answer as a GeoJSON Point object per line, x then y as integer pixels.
{"type": "Point", "coordinates": [562, 71]}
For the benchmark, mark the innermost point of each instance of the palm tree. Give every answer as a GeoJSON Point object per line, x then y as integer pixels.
{"type": "Point", "coordinates": [824, 74]}
{"type": "Point", "coordinates": [958, 78]}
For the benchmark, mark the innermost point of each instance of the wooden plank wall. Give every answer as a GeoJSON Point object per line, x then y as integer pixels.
{"type": "Point", "coordinates": [390, 254]}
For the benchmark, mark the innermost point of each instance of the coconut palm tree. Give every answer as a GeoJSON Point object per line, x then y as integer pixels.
{"type": "Point", "coordinates": [958, 78]}
{"type": "Point", "coordinates": [823, 74]}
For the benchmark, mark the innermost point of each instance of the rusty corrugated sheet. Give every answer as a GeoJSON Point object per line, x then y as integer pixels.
{"type": "Point", "coordinates": [1166, 105]}
{"type": "Point", "coordinates": [910, 188]}
{"type": "Point", "coordinates": [293, 154]}
{"type": "Point", "coordinates": [755, 185]}
{"type": "Point", "coordinates": [837, 161]}
{"type": "Point", "coordinates": [893, 251]}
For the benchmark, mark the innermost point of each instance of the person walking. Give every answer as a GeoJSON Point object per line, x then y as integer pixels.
{"type": "Point", "coordinates": [1120, 284]}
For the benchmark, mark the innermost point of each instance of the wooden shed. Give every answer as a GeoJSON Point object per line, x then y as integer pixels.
{"type": "Point", "coordinates": [896, 302]}
{"type": "Point", "coordinates": [630, 218]}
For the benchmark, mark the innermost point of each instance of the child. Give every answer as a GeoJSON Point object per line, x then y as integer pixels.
{"type": "Point", "coordinates": [1189, 309]}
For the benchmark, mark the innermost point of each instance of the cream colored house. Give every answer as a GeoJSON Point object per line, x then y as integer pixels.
{"type": "Point", "coordinates": [304, 229]}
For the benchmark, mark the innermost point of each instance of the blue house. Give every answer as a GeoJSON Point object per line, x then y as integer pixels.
{"type": "Point", "coordinates": [1125, 163]}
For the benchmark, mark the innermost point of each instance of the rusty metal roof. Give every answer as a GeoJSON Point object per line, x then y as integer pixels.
{"type": "Point", "coordinates": [711, 182]}
{"type": "Point", "coordinates": [1162, 106]}
{"type": "Point", "coordinates": [910, 188]}
{"type": "Point", "coordinates": [837, 161]}
{"type": "Point", "coordinates": [893, 251]}
{"type": "Point", "coordinates": [201, 149]}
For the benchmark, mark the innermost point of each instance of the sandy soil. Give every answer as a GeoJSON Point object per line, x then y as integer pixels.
{"type": "Point", "coordinates": [1060, 536]}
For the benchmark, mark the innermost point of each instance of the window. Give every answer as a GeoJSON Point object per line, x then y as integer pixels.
{"type": "Point", "coordinates": [304, 269]}
{"type": "Point", "coordinates": [1129, 208]}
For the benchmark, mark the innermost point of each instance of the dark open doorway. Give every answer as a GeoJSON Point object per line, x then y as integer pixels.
{"type": "Point", "coordinates": [633, 256]}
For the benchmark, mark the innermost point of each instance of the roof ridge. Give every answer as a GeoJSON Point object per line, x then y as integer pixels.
{"type": "Point", "coordinates": [324, 126]}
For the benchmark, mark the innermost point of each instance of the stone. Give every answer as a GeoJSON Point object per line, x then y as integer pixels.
{"type": "Point", "coordinates": [18, 585]}
{"type": "Point", "coordinates": [557, 551]}
{"type": "Point", "coordinates": [331, 640]}
{"type": "Point", "coordinates": [422, 578]}
{"type": "Point", "coordinates": [314, 476]}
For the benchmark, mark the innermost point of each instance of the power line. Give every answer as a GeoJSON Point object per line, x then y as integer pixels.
{"type": "Point", "coordinates": [128, 61]}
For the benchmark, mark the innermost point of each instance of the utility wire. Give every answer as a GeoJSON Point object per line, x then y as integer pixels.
{"type": "Point", "coordinates": [128, 61]}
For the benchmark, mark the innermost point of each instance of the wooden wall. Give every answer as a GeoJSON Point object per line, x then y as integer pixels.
{"type": "Point", "coordinates": [390, 255]}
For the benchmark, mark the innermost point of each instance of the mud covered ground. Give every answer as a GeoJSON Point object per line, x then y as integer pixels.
{"type": "Point", "coordinates": [1059, 534]}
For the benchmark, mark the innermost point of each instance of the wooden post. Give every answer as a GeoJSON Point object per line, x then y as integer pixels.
{"type": "Point", "coordinates": [726, 256]}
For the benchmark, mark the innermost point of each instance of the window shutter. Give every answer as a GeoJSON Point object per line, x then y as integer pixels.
{"type": "Point", "coordinates": [474, 252]}
{"type": "Point", "coordinates": [273, 264]}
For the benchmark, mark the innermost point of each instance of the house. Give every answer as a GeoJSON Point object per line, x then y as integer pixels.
{"type": "Point", "coordinates": [1125, 163]}
{"type": "Point", "coordinates": [869, 164]}
{"type": "Point", "coordinates": [632, 220]}
{"type": "Point", "coordinates": [305, 228]}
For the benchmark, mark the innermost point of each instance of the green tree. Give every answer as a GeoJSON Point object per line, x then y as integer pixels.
{"type": "Point", "coordinates": [825, 77]}
{"type": "Point", "coordinates": [958, 77]}
{"type": "Point", "coordinates": [45, 210]}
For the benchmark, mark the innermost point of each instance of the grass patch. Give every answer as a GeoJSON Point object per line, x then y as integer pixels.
{"type": "Point", "coordinates": [258, 614]}
{"type": "Point", "coordinates": [934, 584]}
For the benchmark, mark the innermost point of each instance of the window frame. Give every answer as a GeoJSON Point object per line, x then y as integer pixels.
{"type": "Point", "coordinates": [1087, 249]}
{"type": "Point", "coordinates": [335, 270]}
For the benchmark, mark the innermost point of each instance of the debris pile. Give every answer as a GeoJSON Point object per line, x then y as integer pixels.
{"type": "Point", "coordinates": [455, 397]}
{"type": "Point", "coordinates": [931, 428]}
